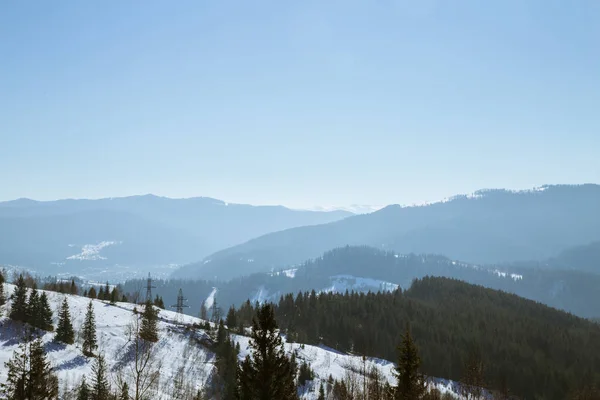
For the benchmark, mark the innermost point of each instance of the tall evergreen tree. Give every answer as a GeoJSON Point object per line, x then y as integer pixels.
{"type": "Point", "coordinates": [89, 331]}
{"type": "Point", "coordinates": [114, 295]}
{"type": "Point", "coordinates": [124, 392]}
{"type": "Point", "coordinates": [2, 294]}
{"type": "Point", "coordinates": [33, 309]}
{"type": "Point", "coordinates": [100, 386]}
{"type": "Point", "coordinates": [268, 374]}
{"type": "Point", "coordinates": [473, 381]}
{"type": "Point", "coordinates": [92, 293]}
{"type": "Point", "coordinates": [30, 375]}
{"type": "Point", "coordinates": [18, 311]}
{"type": "Point", "coordinates": [149, 328]}
{"type": "Point", "coordinates": [45, 313]}
{"type": "Point", "coordinates": [64, 329]}
{"type": "Point", "coordinates": [73, 289]}
{"type": "Point", "coordinates": [158, 302]}
{"type": "Point", "coordinates": [225, 380]}
{"type": "Point", "coordinates": [106, 291]}
{"type": "Point", "coordinates": [321, 392]}
{"type": "Point", "coordinates": [411, 383]}
{"type": "Point", "coordinates": [231, 319]}
{"type": "Point", "coordinates": [101, 293]}
{"type": "Point", "coordinates": [83, 392]}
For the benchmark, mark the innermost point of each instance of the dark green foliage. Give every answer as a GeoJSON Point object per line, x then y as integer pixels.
{"type": "Point", "coordinates": [224, 382]}
{"type": "Point", "coordinates": [411, 383]}
{"type": "Point", "coordinates": [473, 377]}
{"type": "Point", "coordinates": [231, 320]}
{"type": "Point", "coordinates": [528, 345]}
{"type": "Point", "coordinates": [45, 313]}
{"type": "Point", "coordinates": [305, 373]}
{"type": "Point", "coordinates": [149, 328]}
{"type": "Point", "coordinates": [106, 292]}
{"type": "Point", "coordinates": [114, 295]}
{"type": "Point", "coordinates": [18, 311]}
{"type": "Point", "coordinates": [83, 392]}
{"type": "Point", "coordinates": [34, 309]}
{"type": "Point", "coordinates": [89, 331]}
{"type": "Point", "coordinates": [73, 290]}
{"type": "Point", "coordinates": [100, 389]}
{"type": "Point", "coordinates": [124, 392]}
{"type": "Point", "coordinates": [30, 375]}
{"type": "Point", "coordinates": [101, 294]}
{"type": "Point", "coordinates": [2, 294]}
{"type": "Point", "coordinates": [321, 392]}
{"type": "Point", "coordinates": [268, 374]}
{"type": "Point", "coordinates": [64, 329]}
{"type": "Point", "coordinates": [158, 302]}
{"type": "Point", "coordinates": [92, 293]}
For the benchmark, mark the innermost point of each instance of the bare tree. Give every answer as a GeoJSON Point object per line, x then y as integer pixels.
{"type": "Point", "coordinates": [143, 367]}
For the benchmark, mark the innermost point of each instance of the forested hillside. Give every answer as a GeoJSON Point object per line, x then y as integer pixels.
{"type": "Point", "coordinates": [366, 268]}
{"type": "Point", "coordinates": [537, 351]}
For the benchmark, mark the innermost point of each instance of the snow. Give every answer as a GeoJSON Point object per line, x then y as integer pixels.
{"type": "Point", "coordinates": [261, 296]}
{"type": "Point", "coordinates": [210, 300]}
{"type": "Point", "coordinates": [92, 251]}
{"type": "Point", "coordinates": [179, 348]}
{"type": "Point", "coordinates": [341, 283]}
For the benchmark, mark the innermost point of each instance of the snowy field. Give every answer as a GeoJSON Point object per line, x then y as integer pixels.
{"type": "Point", "coordinates": [180, 350]}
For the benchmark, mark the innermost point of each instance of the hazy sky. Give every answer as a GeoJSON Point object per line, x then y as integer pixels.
{"type": "Point", "coordinates": [297, 102]}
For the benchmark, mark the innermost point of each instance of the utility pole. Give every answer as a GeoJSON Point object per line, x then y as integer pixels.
{"type": "Point", "coordinates": [180, 303]}
{"type": "Point", "coordinates": [149, 288]}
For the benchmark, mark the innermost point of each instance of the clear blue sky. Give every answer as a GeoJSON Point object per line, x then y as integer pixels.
{"type": "Point", "coordinates": [297, 102]}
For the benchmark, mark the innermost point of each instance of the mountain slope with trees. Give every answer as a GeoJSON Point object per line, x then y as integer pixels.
{"type": "Point", "coordinates": [490, 226]}
{"type": "Point", "coordinates": [534, 350]}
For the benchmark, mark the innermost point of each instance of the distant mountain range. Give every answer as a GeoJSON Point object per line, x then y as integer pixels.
{"type": "Point", "coordinates": [69, 235]}
{"type": "Point", "coordinates": [489, 226]}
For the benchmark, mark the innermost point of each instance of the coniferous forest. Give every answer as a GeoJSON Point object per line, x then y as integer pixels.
{"type": "Point", "coordinates": [531, 348]}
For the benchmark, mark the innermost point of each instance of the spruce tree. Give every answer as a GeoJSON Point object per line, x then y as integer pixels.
{"type": "Point", "coordinates": [106, 292]}
{"type": "Point", "coordinates": [321, 392]}
{"type": "Point", "coordinates": [158, 302]}
{"type": "Point", "coordinates": [33, 309]}
{"type": "Point", "coordinates": [45, 313]}
{"type": "Point", "coordinates": [92, 293]}
{"type": "Point", "coordinates": [83, 392]}
{"type": "Point", "coordinates": [100, 387]}
{"type": "Point", "coordinates": [89, 331]}
{"type": "Point", "coordinates": [124, 392]}
{"type": "Point", "coordinates": [114, 295]}
{"type": "Point", "coordinates": [411, 383]}
{"type": "Point", "coordinates": [18, 311]}
{"type": "Point", "coordinates": [231, 320]}
{"type": "Point", "coordinates": [30, 375]}
{"type": "Point", "coordinates": [64, 329]}
{"type": "Point", "coordinates": [73, 289]}
{"type": "Point", "coordinates": [149, 328]}
{"type": "Point", "coordinates": [268, 374]}
{"type": "Point", "coordinates": [225, 380]}
{"type": "Point", "coordinates": [101, 294]}
{"type": "Point", "coordinates": [42, 381]}
{"type": "Point", "coordinates": [2, 295]}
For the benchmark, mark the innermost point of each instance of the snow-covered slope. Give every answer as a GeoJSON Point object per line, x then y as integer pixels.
{"type": "Point", "coordinates": [179, 348]}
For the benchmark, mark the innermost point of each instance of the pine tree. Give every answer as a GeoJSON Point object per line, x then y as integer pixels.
{"type": "Point", "coordinates": [100, 387]}
{"type": "Point", "coordinates": [149, 328]}
{"type": "Point", "coordinates": [101, 294]}
{"type": "Point", "coordinates": [83, 392]}
{"type": "Point", "coordinates": [203, 315]}
{"type": "Point", "coordinates": [45, 313]}
{"type": "Point", "coordinates": [124, 392]}
{"type": "Point", "coordinates": [89, 331]}
{"type": "Point", "coordinates": [114, 295]}
{"type": "Point", "coordinates": [106, 292]}
{"type": "Point", "coordinates": [18, 311]}
{"type": "Point", "coordinates": [33, 309]}
{"type": "Point", "coordinates": [30, 375]}
{"type": "Point", "coordinates": [231, 320]}
{"type": "Point", "coordinates": [158, 302]}
{"type": "Point", "coordinates": [225, 381]}
{"type": "Point", "coordinates": [321, 392]}
{"type": "Point", "coordinates": [472, 381]}
{"type": "Point", "coordinates": [42, 381]}
{"type": "Point", "coordinates": [2, 295]}
{"type": "Point", "coordinates": [92, 293]}
{"type": "Point", "coordinates": [411, 383]}
{"type": "Point", "coordinates": [64, 329]}
{"type": "Point", "coordinates": [268, 374]}
{"type": "Point", "coordinates": [73, 289]}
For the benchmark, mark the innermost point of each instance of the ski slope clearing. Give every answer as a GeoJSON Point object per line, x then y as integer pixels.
{"type": "Point", "coordinates": [181, 352]}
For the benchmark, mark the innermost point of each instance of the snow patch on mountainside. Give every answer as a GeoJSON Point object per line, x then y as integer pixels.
{"type": "Point", "coordinates": [210, 300]}
{"type": "Point", "coordinates": [91, 252]}
{"type": "Point", "coordinates": [341, 283]}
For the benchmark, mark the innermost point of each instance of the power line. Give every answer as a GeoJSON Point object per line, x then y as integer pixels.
{"type": "Point", "coordinates": [149, 288]}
